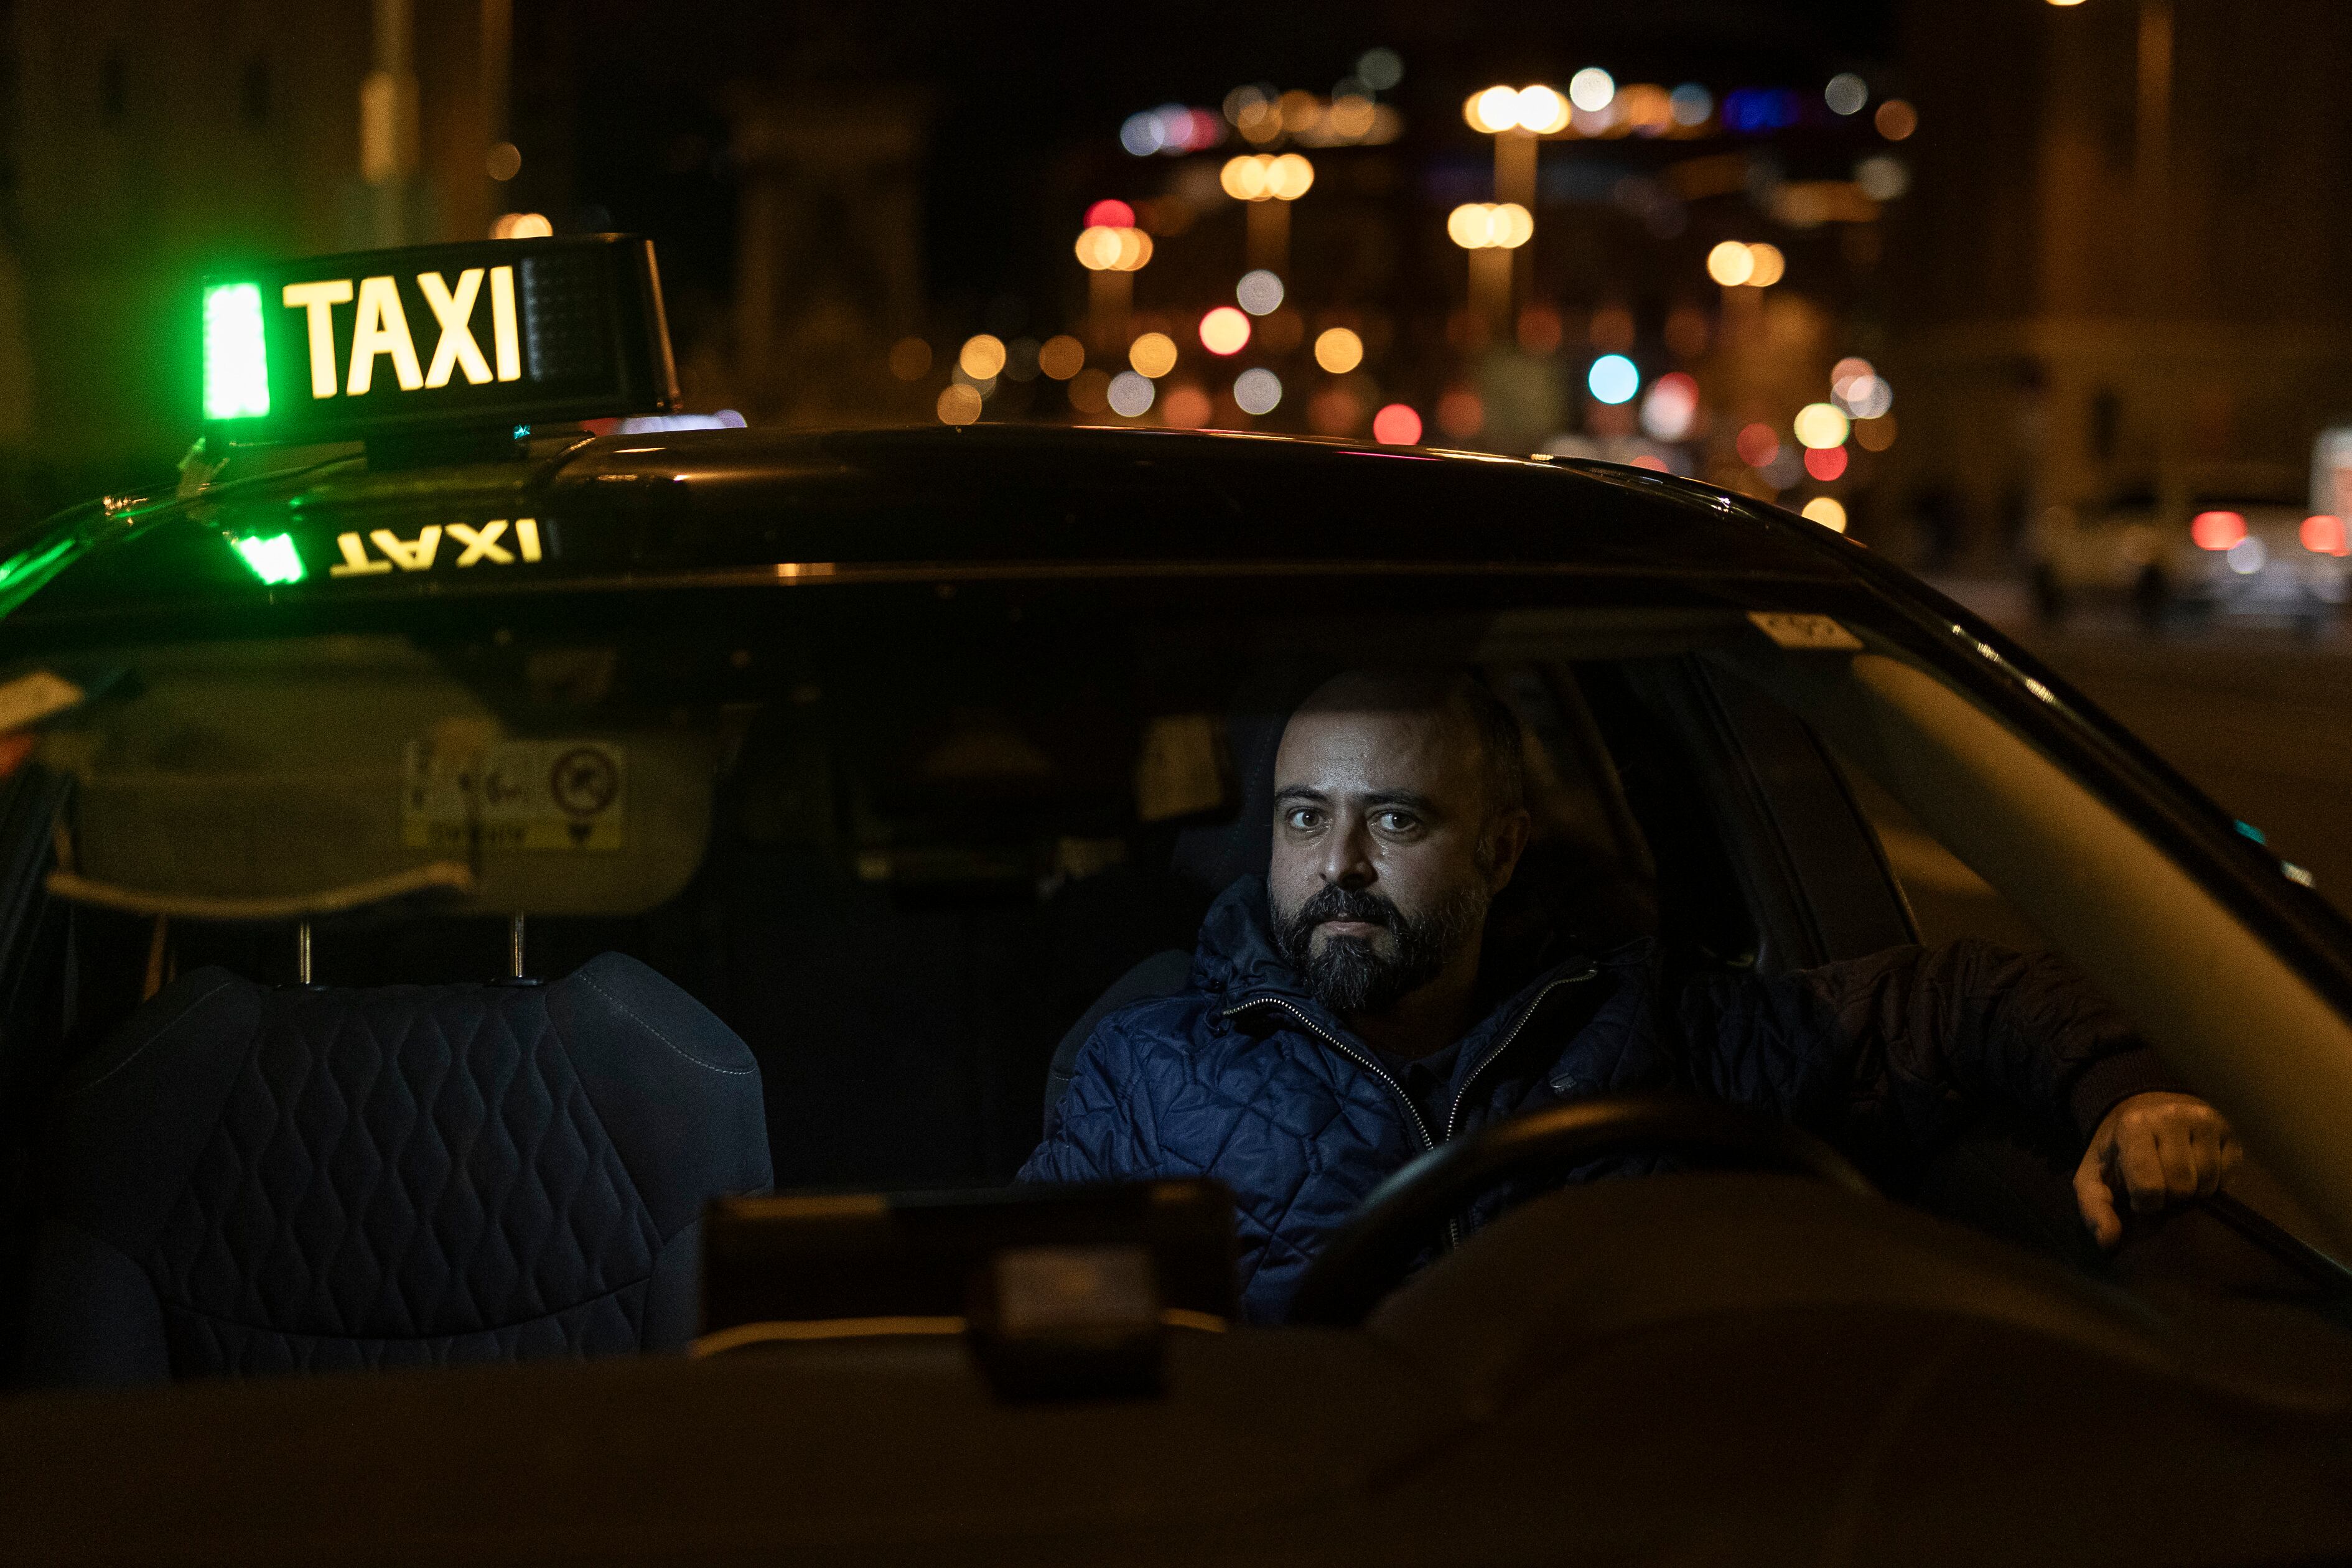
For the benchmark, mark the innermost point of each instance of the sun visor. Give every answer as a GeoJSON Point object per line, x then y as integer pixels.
{"type": "Point", "coordinates": [229, 772]}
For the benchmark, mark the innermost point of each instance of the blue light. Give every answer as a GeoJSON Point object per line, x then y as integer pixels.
{"type": "Point", "coordinates": [1613, 379]}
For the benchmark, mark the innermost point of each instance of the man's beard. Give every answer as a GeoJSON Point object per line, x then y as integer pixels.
{"type": "Point", "coordinates": [1349, 974]}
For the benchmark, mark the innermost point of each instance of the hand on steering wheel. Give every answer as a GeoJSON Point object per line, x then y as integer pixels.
{"type": "Point", "coordinates": [1371, 1254]}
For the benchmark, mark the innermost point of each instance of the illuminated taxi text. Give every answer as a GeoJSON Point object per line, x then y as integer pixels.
{"type": "Point", "coordinates": [497, 543]}
{"type": "Point", "coordinates": [380, 330]}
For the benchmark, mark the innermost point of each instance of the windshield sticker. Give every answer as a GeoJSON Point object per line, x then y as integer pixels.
{"type": "Point", "coordinates": [1812, 634]}
{"type": "Point", "coordinates": [30, 699]}
{"type": "Point", "coordinates": [497, 543]}
{"type": "Point", "coordinates": [513, 794]}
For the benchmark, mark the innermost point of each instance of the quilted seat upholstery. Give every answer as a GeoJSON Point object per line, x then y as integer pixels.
{"type": "Point", "coordinates": [256, 1180]}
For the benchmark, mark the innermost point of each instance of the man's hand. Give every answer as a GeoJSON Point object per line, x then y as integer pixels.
{"type": "Point", "coordinates": [2158, 1149]}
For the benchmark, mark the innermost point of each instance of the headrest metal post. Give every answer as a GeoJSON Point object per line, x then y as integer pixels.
{"type": "Point", "coordinates": [514, 947]}
{"type": "Point", "coordinates": [303, 950]}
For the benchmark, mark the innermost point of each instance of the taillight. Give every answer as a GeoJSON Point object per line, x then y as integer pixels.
{"type": "Point", "coordinates": [2217, 530]}
{"type": "Point", "coordinates": [2323, 534]}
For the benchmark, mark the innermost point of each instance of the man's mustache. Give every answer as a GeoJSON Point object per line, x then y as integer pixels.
{"type": "Point", "coordinates": [1338, 903]}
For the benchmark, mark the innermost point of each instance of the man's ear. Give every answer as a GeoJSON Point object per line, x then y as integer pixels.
{"type": "Point", "coordinates": [1510, 837]}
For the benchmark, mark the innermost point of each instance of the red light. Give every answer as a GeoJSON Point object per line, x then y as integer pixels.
{"type": "Point", "coordinates": [1757, 445]}
{"type": "Point", "coordinates": [2324, 534]}
{"type": "Point", "coordinates": [1110, 215]}
{"type": "Point", "coordinates": [1825, 463]}
{"type": "Point", "coordinates": [1655, 465]}
{"type": "Point", "coordinates": [2217, 530]}
{"type": "Point", "coordinates": [1396, 425]}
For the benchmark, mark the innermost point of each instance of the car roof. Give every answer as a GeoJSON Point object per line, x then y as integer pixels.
{"type": "Point", "coordinates": [684, 505]}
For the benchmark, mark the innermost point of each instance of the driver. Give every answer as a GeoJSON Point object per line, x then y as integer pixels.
{"type": "Point", "coordinates": [1338, 1019]}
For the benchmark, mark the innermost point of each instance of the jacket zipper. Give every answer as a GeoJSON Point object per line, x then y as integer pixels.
{"type": "Point", "coordinates": [1420, 1127]}
{"type": "Point", "coordinates": [1454, 1111]}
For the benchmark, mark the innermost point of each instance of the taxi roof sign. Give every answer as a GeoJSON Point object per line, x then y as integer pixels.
{"type": "Point", "coordinates": [438, 336]}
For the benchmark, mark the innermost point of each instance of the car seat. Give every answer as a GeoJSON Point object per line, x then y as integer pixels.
{"type": "Point", "coordinates": [255, 1179]}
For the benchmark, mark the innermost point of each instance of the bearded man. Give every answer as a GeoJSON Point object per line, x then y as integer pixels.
{"type": "Point", "coordinates": [1338, 1019]}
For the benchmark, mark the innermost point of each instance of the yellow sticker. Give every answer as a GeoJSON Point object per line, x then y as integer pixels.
{"type": "Point", "coordinates": [513, 794]}
{"type": "Point", "coordinates": [1820, 633]}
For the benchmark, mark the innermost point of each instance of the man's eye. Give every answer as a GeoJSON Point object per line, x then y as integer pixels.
{"type": "Point", "coordinates": [1394, 821]}
{"type": "Point", "coordinates": [1302, 819]}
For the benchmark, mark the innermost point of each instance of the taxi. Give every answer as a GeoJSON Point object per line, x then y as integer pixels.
{"type": "Point", "coordinates": [536, 940]}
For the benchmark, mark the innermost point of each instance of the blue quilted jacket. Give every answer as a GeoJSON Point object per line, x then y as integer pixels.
{"type": "Point", "coordinates": [1244, 1078]}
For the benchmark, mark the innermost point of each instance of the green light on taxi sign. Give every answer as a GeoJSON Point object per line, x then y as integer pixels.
{"type": "Point", "coordinates": [439, 343]}
{"type": "Point", "coordinates": [237, 352]}
{"type": "Point", "coordinates": [273, 560]}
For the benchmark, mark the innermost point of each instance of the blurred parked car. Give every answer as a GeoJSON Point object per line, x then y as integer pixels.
{"type": "Point", "coordinates": [2241, 541]}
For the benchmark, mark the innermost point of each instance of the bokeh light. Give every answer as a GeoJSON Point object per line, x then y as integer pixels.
{"type": "Point", "coordinates": [1339, 351]}
{"type": "Point", "coordinates": [1461, 412]}
{"type": "Point", "coordinates": [521, 226]}
{"type": "Point", "coordinates": [1184, 407]}
{"type": "Point", "coordinates": [1335, 409]}
{"type": "Point", "coordinates": [1542, 111]}
{"type": "Point", "coordinates": [1260, 292]}
{"type": "Point", "coordinates": [2323, 534]}
{"type": "Point", "coordinates": [1379, 69]}
{"type": "Point", "coordinates": [1874, 435]}
{"type": "Point", "coordinates": [1671, 407]}
{"type": "Point", "coordinates": [1731, 264]}
{"type": "Point", "coordinates": [1105, 249]}
{"type": "Point", "coordinates": [1649, 108]}
{"type": "Point", "coordinates": [2249, 556]}
{"type": "Point", "coordinates": [1062, 357]}
{"type": "Point", "coordinates": [911, 359]}
{"type": "Point", "coordinates": [1770, 266]}
{"type": "Point", "coordinates": [982, 356]}
{"type": "Point", "coordinates": [1110, 215]}
{"type": "Point", "coordinates": [1825, 463]}
{"type": "Point", "coordinates": [1496, 109]}
{"type": "Point", "coordinates": [1258, 391]}
{"type": "Point", "coordinates": [1090, 390]}
{"type": "Point", "coordinates": [1152, 354]}
{"type": "Point", "coordinates": [503, 161]}
{"type": "Point", "coordinates": [1613, 379]}
{"type": "Point", "coordinates": [1130, 394]}
{"type": "Point", "coordinates": [1591, 89]}
{"type": "Point", "coordinates": [959, 404]}
{"type": "Point", "coordinates": [1825, 510]}
{"type": "Point", "coordinates": [1490, 225]}
{"type": "Point", "coordinates": [1846, 93]}
{"type": "Point", "coordinates": [1692, 104]}
{"type": "Point", "coordinates": [1396, 425]}
{"type": "Point", "coordinates": [1895, 119]}
{"type": "Point", "coordinates": [1820, 425]}
{"type": "Point", "coordinates": [2217, 530]}
{"type": "Point", "coordinates": [1224, 330]}
{"type": "Point", "coordinates": [1756, 445]}
{"type": "Point", "coordinates": [1883, 177]}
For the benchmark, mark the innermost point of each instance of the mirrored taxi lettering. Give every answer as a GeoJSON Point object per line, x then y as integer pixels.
{"type": "Point", "coordinates": [379, 329]}
{"type": "Point", "coordinates": [501, 541]}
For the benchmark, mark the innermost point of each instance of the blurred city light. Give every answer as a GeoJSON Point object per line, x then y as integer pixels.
{"type": "Point", "coordinates": [1649, 108]}
{"type": "Point", "coordinates": [1845, 94]}
{"type": "Point", "coordinates": [959, 404]}
{"type": "Point", "coordinates": [2323, 534]}
{"type": "Point", "coordinates": [1152, 354]}
{"type": "Point", "coordinates": [1671, 407]}
{"type": "Point", "coordinates": [1090, 390]}
{"type": "Point", "coordinates": [1825, 463]}
{"type": "Point", "coordinates": [503, 161]}
{"type": "Point", "coordinates": [1062, 357]}
{"type": "Point", "coordinates": [1224, 330]}
{"type": "Point", "coordinates": [1756, 445]}
{"type": "Point", "coordinates": [1883, 177]}
{"type": "Point", "coordinates": [1171, 128]}
{"type": "Point", "coordinates": [1461, 412]}
{"type": "Point", "coordinates": [1825, 510]}
{"type": "Point", "coordinates": [982, 356]}
{"type": "Point", "coordinates": [521, 226]}
{"type": "Point", "coordinates": [1731, 264]}
{"type": "Point", "coordinates": [1379, 69]}
{"type": "Point", "coordinates": [1591, 89]}
{"type": "Point", "coordinates": [1339, 351]}
{"type": "Point", "coordinates": [1613, 379]}
{"type": "Point", "coordinates": [1257, 391]}
{"type": "Point", "coordinates": [1874, 435]}
{"type": "Point", "coordinates": [1495, 110]}
{"type": "Point", "coordinates": [1260, 292]}
{"type": "Point", "coordinates": [1490, 225]}
{"type": "Point", "coordinates": [1130, 394]}
{"type": "Point", "coordinates": [1692, 105]}
{"type": "Point", "coordinates": [1184, 407]}
{"type": "Point", "coordinates": [911, 359]}
{"type": "Point", "coordinates": [1769, 265]}
{"type": "Point", "coordinates": [1110, 215]}
{"type": "Point", "coordinates": [1866, 396]}
{"type": "Point", "coordinates": [2248, 556]}
{"type": "Point", "coordinates": [2217, 530]}
{"type": "Point", "coordinates": [1895, 119]}
{"type": "Point", "coordinates": [273, 559]}
{"type": "Point", "coordinates": [1260, 177]}
{"type": "Point", "coordinates": [1542, 111]}
{"type": "Point", "coordinates": [1818, 424]}
{"type": "Point", "coordinates": [1102, 248]}
{"type": "Point", "coordinates": [1396, 425]}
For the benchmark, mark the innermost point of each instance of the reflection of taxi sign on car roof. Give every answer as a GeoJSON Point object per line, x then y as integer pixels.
{"type": "Point", "coordinates": [393, 342]}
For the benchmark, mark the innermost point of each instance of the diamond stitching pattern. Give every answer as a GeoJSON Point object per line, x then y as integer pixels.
{"type": "Point", "coordinates": [415, 1164]}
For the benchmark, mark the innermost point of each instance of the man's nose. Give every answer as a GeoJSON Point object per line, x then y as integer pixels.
{"type": "Point", "coordinates": [1347, 860]}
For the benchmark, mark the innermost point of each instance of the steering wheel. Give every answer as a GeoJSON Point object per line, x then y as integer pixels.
{"type": "Point", "coordinates": [1371, 1254]}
